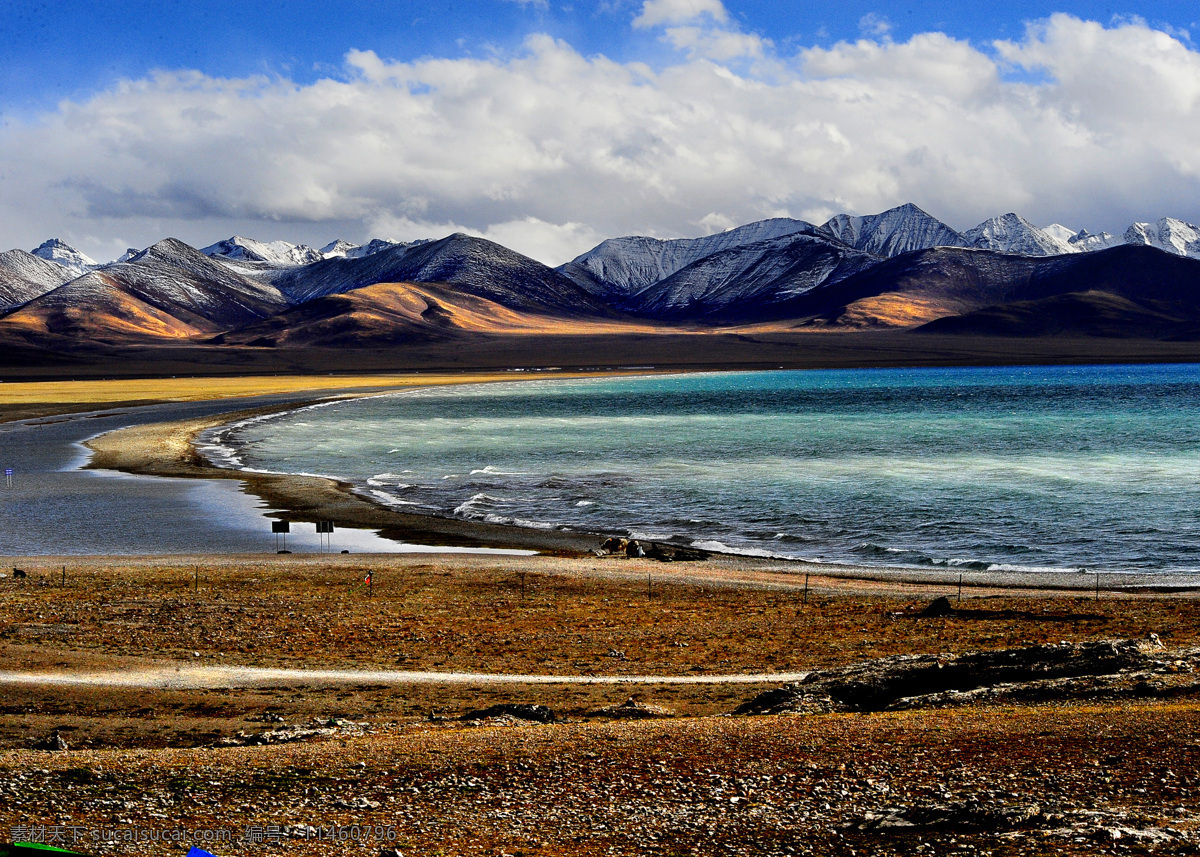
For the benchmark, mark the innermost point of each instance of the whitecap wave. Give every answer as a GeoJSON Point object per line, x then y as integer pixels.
{"type": "Point", "coordinates": [381, 479]}
{"type": "Point", "coordinates": [392, 500]}
{"type": "Point", "coordinates": [721, 547]}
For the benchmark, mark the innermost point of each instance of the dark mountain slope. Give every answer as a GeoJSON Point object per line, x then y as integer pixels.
{"type": "Point", "coordinates": [24, 276]}
{"type": "Point", "coordinates": [1125, 291]}
{"type": "Point", "coordinates": [749, 282]}
{"type": "Point", "coordinates": [618, 268]}
{"type": "Point", "coordinates": [915, 288]}
{"type": "Point", "coordinates": [392, 313]}
{"type": "Point", "coordinates": [169, 290]}
{"type": "Point", "coordinates": [474, 265]}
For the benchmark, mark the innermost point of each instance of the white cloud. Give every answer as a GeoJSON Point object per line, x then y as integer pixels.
{"type": "Point", "coordinates": [656, 13]}
{"type": "Point", "coordinates": [549, 151]}
{"type": "Point", "coordinates": [715, 43]}
{"type": "Point", "coordinates": [701, 29]}
{"type": "Point", "coordinates": [874, 25]}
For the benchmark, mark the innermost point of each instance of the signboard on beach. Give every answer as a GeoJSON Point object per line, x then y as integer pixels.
{"type": "Point", "coordinates": [281, 527]}
{"type": "Point", "coordinates": [324, 526]}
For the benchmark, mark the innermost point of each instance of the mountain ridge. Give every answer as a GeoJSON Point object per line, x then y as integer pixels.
{"type": "Point", "coordinates": [900, 269]}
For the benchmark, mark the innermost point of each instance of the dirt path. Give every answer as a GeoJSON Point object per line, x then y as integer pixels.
{"type": "Point", "coordinates": [180, 678]}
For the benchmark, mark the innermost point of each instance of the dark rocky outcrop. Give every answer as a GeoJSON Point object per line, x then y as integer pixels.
{"type": "Point", "coordinates": [959, 817]}
{"type": "Point", "coordinates": [631, 709]}
{"type": "Point", "coordinates": [1056, 671]}
{"type": "Point", "coordinates": [515, 710]}
{"type": "Point", "coordinates": [938, 607]}
{"type": "Point", "coordinates": [52, 742]}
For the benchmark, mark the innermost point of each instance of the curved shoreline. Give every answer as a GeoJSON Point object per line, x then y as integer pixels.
{"type": "Point", "coordinates": [168, 449]}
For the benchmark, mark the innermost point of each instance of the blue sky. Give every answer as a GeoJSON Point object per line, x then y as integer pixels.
{"type": "Point", "coordinates": [550, 125]}
{"type": "Point", "coordinates": [50, 51]}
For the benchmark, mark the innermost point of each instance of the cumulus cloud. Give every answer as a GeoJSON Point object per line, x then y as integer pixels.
{"type": "Point", "coordinates": [656, 13]}
{"type": "Point", "coordinates": [548, 151]}
{"type": "Point", "coordinates": [874, 25]}
{"type": "Point", "coordinates": [701, 29]}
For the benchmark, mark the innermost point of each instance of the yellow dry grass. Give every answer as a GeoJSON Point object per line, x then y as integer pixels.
{"type": "Point", "coordinates": [204, 388]}
{"type": "Point", "coordinates": [476, 314]}
{"type": "Point", "coordinates": [894, 310]}
{"type": "Point", "coordinates": [195, 389]}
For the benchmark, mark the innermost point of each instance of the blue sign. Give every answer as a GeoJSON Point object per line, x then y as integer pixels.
{"type": "Point", "coordinates": [8, 471]}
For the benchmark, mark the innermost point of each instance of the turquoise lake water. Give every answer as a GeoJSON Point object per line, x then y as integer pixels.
{"type": "Point", "coordinates": [978, 468]}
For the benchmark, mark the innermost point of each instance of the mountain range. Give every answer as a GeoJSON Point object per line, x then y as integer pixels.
{"type": "Point", "coordinates": [900, 269]}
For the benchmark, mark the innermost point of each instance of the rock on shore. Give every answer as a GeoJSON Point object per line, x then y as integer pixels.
{"type": "Point", "coordinates": [1102, 669]}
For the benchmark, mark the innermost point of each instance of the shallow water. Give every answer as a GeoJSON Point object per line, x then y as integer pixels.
{"type": "Point", "coordinates": [56, 508]}
{"type": "Point", "coordinates": [974, 468]}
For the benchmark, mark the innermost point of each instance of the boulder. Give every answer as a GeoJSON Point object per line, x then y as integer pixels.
{"type": "Point", "coordinates": [631, 709]}
{"type": "Point", "coordinates": [53, 742]}
{"type": "Point", "coordinates": [1055, 671]}
{"type": "Point", "coordinates": [938, 607]}
{"type": "Point", "coordinates": [517, 710]}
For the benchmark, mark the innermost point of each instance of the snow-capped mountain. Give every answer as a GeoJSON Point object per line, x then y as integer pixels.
{"type": "Point", "coordinates": [1167, 233]}
{"type": "Point", "coordinates": [167, 291]}
{"type": "Point", "coordinates": [898, 269]}
{"type": "Point", "coordinates": [278, 254]}
{"type": "Point", "coordinates": [1056, 231]}
{"type": "Point", "coordinates": [64, 254]}
{"type": "Point", "coordinates": [338, 247]}
{"type": "Point", "coordinates": [1086, 242]}
{"type": "Point", "coordinates": [343, 249]}
{"type": "Point", "coordinates": [24, 277]}
{"type": "Point", "coordinates": [621, 267]}
{"type": "Point", "coordinates": [751, 280]}
{"type": "Point", "coordinates": [898, 230]}
{"type": "Point", "coordinates": [475, 265]}
{"type": "Point", "coordinates": [1012, 233]}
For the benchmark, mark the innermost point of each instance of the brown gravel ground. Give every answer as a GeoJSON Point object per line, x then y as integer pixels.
{"type": "Point", "coordinates": [1108, 777]}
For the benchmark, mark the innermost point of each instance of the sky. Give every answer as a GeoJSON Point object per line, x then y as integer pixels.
{"type": "Point", "coordinates": [548, 126]}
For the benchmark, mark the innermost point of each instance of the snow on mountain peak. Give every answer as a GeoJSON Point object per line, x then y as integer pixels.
{"type": "Point", "coordinates": [338, 247]}
{"type": "Point", "coordinates": [1060, 232]}
{"type": "Point", "coordinates": [277, 254]}
{"type": "Point", "coordinates": [1012, 233]}
{"type": "Point", "coordinates": [62, 253]}
{"type": "Point", "coordinates": [1169, 234]}
{"type": "Point", "coordinates": [1086, 242]}
{"type": "Point", "coordinates": [898, 230]}
{"type": "Point", "coordinates": [626, 266]}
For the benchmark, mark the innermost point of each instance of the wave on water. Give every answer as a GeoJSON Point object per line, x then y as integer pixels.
{"type": "Point", "coordinates": [721, 547]}
{"type": "Point", "coordinates": [508, 521]}
{"type": "Point", "coordinates": [1042, 468]}
{"type": "Point", "coordinates": [381, 480]}
{"type": "Point", "coordinates": [393, 500]}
